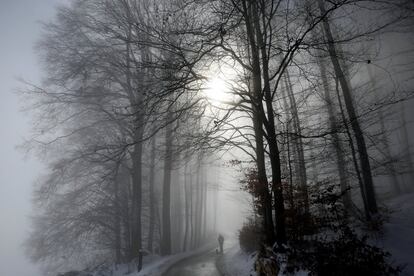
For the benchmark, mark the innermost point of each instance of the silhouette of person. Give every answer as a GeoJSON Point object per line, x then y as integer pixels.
{"type": "Point", "coordinates": [221, 242]}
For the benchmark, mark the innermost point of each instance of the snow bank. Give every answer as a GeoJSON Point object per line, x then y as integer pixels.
{"type": "Point", "coordinates": [398, 236]}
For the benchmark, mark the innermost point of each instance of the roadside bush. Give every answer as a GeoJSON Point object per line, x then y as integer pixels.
{"type": "Point", "coordinates": [249, 236]}
{"type": "Point", "coordinates": [347, 254]}
{"type": "Point", "coordinates": [335, 248]}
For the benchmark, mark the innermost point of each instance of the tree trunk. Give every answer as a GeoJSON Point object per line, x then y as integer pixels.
{"type": "Point", "coordinates": [166, 194]}
{"type": "Point", "coordinates": [298, 143]}
{"type": "Point", "coordinates": [288, 149]}
{"type": "Point", "coordinates": [215, 199]}
{"type": "Point", "coordinates": [117, 219]}
{"type": "Point", "coordinates": [353, 153]}
{"type": "Point", "coordinates": [151, 226]}
{"type": "Point", "coordinates": [199, 204]}
{"type": "Point", "coordinates": [406, 141]}
{"type": "Point", "coordinates": [205, 206]}
{"type": "Point", "coordinates": [192, 230]}
{"type": "Point", "coordinates": [136, 196]}
{"type": "Point", "coordinates": [127, 215]}
{"type": "Point", "coordinates": [359, 137]}
{"type": "Point", "coordinates": [258, 116]}
{"type": "Point", "coordinates": [340, 159]}
{"type": "Point", "coordinates": [186, 208]}
{"type": "Point", "coordinates": [271, 132]}
{"type": "Point", "coordinates": [388, 155]}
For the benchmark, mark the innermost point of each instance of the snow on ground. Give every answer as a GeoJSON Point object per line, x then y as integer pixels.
{"type": "Point", "coordinates": [398, 236]}
{"type": "Point", "coordinates": [398, 239]}
{"type": "Point", "coordinates": [158, 266]}
{"type": "Point", "coordinates": [234, 262]}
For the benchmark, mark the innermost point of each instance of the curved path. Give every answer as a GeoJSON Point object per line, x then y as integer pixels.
{"type": "Point", "coordinates": [200, 265]}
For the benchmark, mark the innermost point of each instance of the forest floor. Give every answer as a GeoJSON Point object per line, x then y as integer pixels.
{"type": "Point", "coordinates": [397, 237]}
{"type": "Point", "coordinates": [398, 232]}
{"type": "Point", "coordinates": [234, 262]}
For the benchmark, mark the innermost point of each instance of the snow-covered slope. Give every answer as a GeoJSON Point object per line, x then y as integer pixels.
{"type": "Point", "coordinates": [398, 236]}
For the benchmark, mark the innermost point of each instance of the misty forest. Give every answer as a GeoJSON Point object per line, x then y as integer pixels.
{"type": "Point", "coordinates": [223, 137]}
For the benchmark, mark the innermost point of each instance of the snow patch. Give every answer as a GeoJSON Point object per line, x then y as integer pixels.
{"type": "Point", "coordinates": [235, 262]}
{"type": "Point", "coordinates": [163, 264]}
{"type": "Point", "coordinates": [398, 236]}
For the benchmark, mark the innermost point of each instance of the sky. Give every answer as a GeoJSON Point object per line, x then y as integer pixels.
{"type": "Point", "coordinates": [19, 29]}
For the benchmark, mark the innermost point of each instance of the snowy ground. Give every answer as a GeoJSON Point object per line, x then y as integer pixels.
{"type": "Point", "coordinates": [155, 265]}
{"type": "Point", "coordinates": [398, 236]}
{"type": "Point", "coordinates": [398, 239]}
{"type": "Point", "coordinates": [234, 261]}
{"type": "Point", "coordinates": [201, 265]}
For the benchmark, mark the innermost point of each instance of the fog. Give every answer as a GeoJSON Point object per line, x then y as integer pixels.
{"type": "Point", "coordinates": [139, 136]}
{"type": "Point", "coordinates": [19, 29]}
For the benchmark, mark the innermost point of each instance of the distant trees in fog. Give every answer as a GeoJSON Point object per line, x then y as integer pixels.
{"type": "Point", "coordinates": [124, 124]}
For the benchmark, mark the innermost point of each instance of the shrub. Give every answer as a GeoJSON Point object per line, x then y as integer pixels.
{"type": "Point", "coordinates": [335, 248]}
{"type": "Point", "coordinates": [250, 236]}
{"type": "Point", "coordinates": [346, 254]}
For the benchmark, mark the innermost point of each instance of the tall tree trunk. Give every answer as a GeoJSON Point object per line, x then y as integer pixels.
{"type": "Point", "coordinates": [196, 205]}
{"type": "Point", "coordinates": [406, 141]}
{"type": "Point", "coordinates": [340, 159]}
{"type": "Point", "coordinates": [186, 208]}
{"type": "Point", "coordinates": [199, 203]}
{"type": "Point", "coordinates": [298, 143]}
{"type": "Point", "coordinates": [290, 174]}
{"type": "Point", "coordinates": [151, 226]}
{"type": "Point", "coordinates": [258, 117]}
{"type": "Point", "coordinates": [177, 210]}
{"type": "Point", "coordinates": [288, 148]}
{"type": "Point", "coordinates": [117, 219]}
{"type": "Point", "coordinates": [158, 225]}
{"type": "Point", "coordinates": [215, 198]}
{"type": "Point", "coordinates": [136, 196]}
{"type": "Point", "coordinates": [270, 128]}
{"type": "Point", "coordinates": [353, 152]}
{"type": "Point", "coordinates": [291, 137]}
{"type": "Point", "coordinates": [204, 188]}
{"type": "Point", "coordinates": [166, 194]}
{"type": "Point", "coordinates": [136, 157]}
{"type": "Point", "coordinates": [388, 155]}
{"type": "Point", "coordinates": [192, 230]}
{"type": "Point", "coordinates": [359, 136]}
{"type": "Point", "coordinates": [126, 204]}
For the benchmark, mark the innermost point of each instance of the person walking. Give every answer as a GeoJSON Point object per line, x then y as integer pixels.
{"type": "Point", "coordinates": [221, 242]}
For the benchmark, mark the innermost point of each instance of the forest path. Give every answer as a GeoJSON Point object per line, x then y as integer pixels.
{"type": "Point", "coordinates": [200, 265]}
